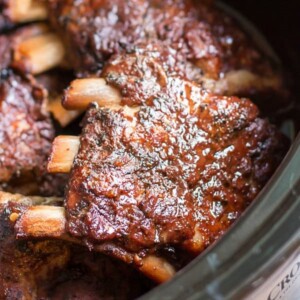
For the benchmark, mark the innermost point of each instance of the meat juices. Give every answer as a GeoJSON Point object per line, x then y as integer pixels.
{"type": "Point", "coordinates": [178, 172]}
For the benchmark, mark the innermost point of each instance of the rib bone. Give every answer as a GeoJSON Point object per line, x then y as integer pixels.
{"type": "Point", "coordinates": [63, 116]}
{"type": "Point", "coordinates": [157, 268]}
{"type": "Point", "coordinates": [64, 150]}
{"type": "Point", "coordinates": [23, 11]}
{"type": "Point", "coordinates": [19, 7]}
{"type": "Point", "coordinates": [40, 53]}
{"type": "Point", "coordinates": [241, 80]}
{"type": "Point", "coordinates": [41, 221]}
{"type": "Point", "coordinates": [84, 91]}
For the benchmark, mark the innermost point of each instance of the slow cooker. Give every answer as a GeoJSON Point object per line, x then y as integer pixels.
{"type": "Point", "coordinates": [259, 257]}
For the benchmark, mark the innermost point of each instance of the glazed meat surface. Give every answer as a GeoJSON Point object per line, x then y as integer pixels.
{"type": "Point", "coordinates": [200, 41]}
{"type": "Point", "coordinates": [26, 131]}
{"type": "Point", "coordinates": [176, 166]}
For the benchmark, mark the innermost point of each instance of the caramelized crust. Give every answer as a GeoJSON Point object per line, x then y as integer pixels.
{"type": "Point", "coordinates": [177, 172]}
{"type": "Point", "coordinates": [26, 131]}
{"type": "Point", "coordinates": [26, 265]}
{"type": "Point", "coordinates": [205, 44]}
{"type": "Point", "coordinates": [48, 269]}
{"type": "Point", "coordinates": [171, 171]}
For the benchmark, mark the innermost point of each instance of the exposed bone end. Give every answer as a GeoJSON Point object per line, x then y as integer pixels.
{"type": "Point", "coordinates": [40, 222]}
{"type": "Point", "coordinates": [157, 268]}
{"type": "Point", "coordinates": [241, 81]}
{"type": "Point", "coordinates": [23, 11]}
{"type": "Point", "coordinates": [196, 244]}
{"type": "Point", "coordinates": [40, 53]}
{"type": "Point", "coordinates": [63, 116]}
{"type": "Point", "coordinates": [64, 151]}
{"type": "Point", "coordinates": [84, 91]}
{"type": "Point", "coordinates": [19, 7]}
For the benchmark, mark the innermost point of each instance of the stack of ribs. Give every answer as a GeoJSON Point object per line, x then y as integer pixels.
{"type": "Point", "coordinates": [171, 151]}
{"type": "Point", "coordinates": [26, 131]}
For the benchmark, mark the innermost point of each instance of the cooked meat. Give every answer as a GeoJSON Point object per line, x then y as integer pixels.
{"type": "Point", "coordinates": [26, 131]}
{"type": "Point", "coordinates": [5, 53]}
{"type": "Point", "coordinates": [162, 172]}
{"type": "Point", "coordinates": [25, 265]}
{"type": "Point", "coordinates": [56, 270]}
{"type": "Point", "coordinates": [92, 276]}
{"type": "Point", "coordinates": [179, 171]}
{"type": "Point", "coordinates": [200, 42]}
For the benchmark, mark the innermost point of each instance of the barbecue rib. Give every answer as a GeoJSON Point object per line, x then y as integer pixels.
{"type": "Point", "coordinates": [92, 276]}
{"type": "Point", "coordinates": [26, 129]}
{"type": "Point", "coordinates": [33, 49]}
{"type": "Point", "coordinates": [34, 270]}
{"type": "Point", "coordinates": [196, 40]}
{"type": "Point", "coordinates": [164, 164]}
{"type": "Point", "coordinates": [179, 172]}
{"type": "Point", "coordinates": [26, 265]}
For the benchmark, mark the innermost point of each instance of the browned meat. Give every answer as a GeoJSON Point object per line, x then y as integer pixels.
{"type": "Point", "coordinates": [5, 46]}
{"type": "Point", "coordinates": [26, 131]}
{"type": "Point", "coordinates": [200, 42]}
{"type": "Point", "coordinates": [34, 270]}
{"type": "Point", "coordinates": [92, 276]}
{"type": "Point", "coordinates": [25, 266]}
{"type": "Point", "coordinates": [179, 171]}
